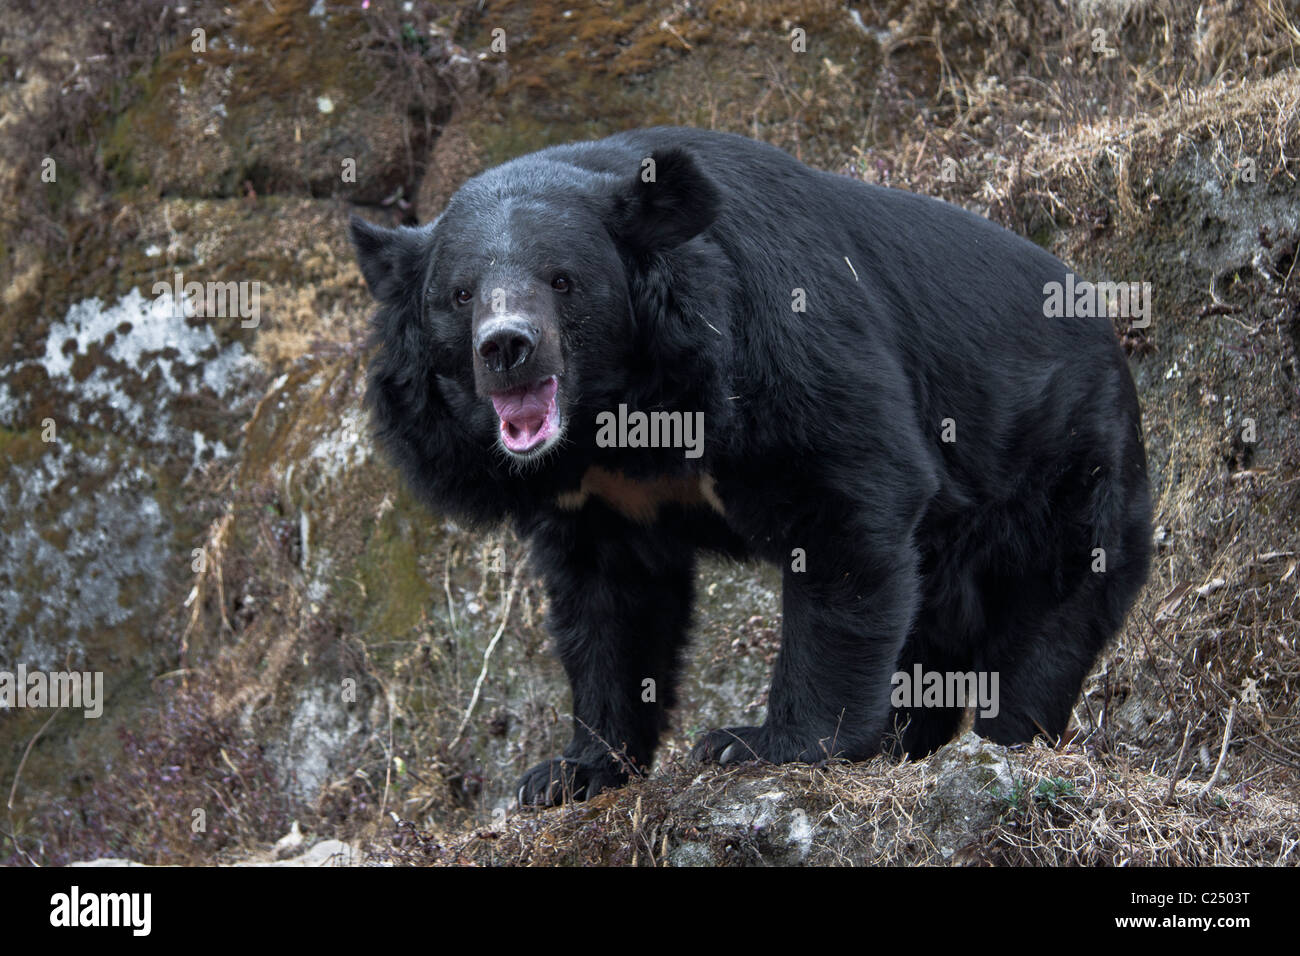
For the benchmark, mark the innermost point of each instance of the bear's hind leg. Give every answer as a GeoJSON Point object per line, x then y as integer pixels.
{"type": "Point", "coordinates": [1043, 648]}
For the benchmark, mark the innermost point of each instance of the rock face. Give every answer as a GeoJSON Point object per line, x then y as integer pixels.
{"type": "Point", "coordinates": [121, 401]}
{"type": "Point", "coordinates": [972, 784]}
{"type": "Point", "coordinates": [778, 821]}
{"type": "Point", "coordinates": [754, 821]}
{"type": "Point", "coordinates": [123, 407]}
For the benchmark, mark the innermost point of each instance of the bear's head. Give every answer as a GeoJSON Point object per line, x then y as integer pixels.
{"type": "Point", "coordinates": [550, 288]}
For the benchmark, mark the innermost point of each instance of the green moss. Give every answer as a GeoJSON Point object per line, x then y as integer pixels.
{"type": "Point", "coordinates": [17, 447]}
{"type": "Point", "coordinates": [143, 118]}
{"type": "Point", "coordinates": [399, 596]}
{"type": "Point", "coordinates": [584, 70]}
{"type": "Point", "coordinates": [500, 142]}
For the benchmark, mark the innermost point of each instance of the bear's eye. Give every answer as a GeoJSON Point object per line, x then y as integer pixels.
{"type": "Point", "coordinates": [561, 283]}
{"type": "Point", "coordinates": [462, 296]}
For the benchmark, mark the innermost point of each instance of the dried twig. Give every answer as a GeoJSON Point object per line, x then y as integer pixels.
{"type": "Point", "coordinates": [487, 654]}
{"type": "Point", "coordinates": [1223, 750]}
{"type": "Point", "coordinates": [1178, 764]}
{"type": "Point", "coordinates": [19, 772]}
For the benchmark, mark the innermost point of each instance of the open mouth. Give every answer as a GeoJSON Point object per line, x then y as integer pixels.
{"type": "Point", "coordinates": [530, 415]}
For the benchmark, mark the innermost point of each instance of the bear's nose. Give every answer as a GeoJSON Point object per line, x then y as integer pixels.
{"type": "Point", "coordinates": [504, 344]}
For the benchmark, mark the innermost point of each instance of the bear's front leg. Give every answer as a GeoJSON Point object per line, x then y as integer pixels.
{"type": "Point", "coordinates": [845, 617]}
{"type": "Point", "coordinates": [619, 609]}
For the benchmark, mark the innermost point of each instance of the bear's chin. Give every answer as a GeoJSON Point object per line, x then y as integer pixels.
{"type": "Point", "coordinates": [535, 453]}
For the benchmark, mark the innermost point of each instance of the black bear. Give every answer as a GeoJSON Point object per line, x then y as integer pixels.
{"type": "Point", "coordinates": [672, 340]}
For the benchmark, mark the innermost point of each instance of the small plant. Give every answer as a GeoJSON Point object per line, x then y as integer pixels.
{"type": "Point", "coordinates": [1053, 790]}
{"type": "Point", "coordinates": [1050, 791]}
{"type": "Point", "coordinates": [413, 38]}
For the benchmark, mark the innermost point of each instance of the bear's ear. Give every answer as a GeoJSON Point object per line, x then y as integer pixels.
{"type": "Point", "coordinates": [669, 201]}
{"type": "Point", "coordinates": [389, 258]}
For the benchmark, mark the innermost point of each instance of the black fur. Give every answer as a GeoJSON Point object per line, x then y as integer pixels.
{"type": "Point", "coordinates": [822, 433]}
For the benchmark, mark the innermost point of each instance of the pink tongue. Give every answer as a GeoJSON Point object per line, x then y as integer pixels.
{"type": "Point", "coordinates": [525, 409]}
{"type": "Point", "coordinates": [526, 404]}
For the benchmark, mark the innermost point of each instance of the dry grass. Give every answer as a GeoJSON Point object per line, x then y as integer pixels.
{"type": "Point", "coordinates": [1120, 815]}
{"type": "Point", "coordinates": [1066, 808]}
